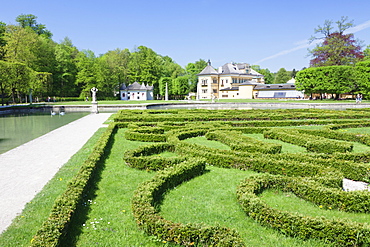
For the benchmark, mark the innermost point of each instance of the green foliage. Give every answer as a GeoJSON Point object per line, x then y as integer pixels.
{"type": "Point", "coordinates": [313, 143]}
{"type": "Point", "coordinates": [64, 206]}
{"type": "Point", "coordinates": [329, 79]}
{"type": "Point", "coordinates": [363, 77]}
{"type": "Point", "coordinates": [340, 232]}
{"type": "Point", "coordinates": [150, 194]}
{"type": "Point", "coordinates": [282, 76]}
{"type": "Point", "coordinates": [29, 21]}
{"type": "Point", "coordinates": [238, 142]}
{"type": "Point", "coordinates": [192, 69]}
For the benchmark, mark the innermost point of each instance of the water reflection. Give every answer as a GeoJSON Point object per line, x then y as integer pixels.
{"type": "Point", "coordinates": [18, 129]}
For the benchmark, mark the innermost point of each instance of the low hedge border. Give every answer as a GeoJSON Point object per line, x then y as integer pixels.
{"type": "Point", "coordinates": [310, 141]}
{"type": "Point", "coordinates": [238, 142]}
{"type": "Point", "coordinates": [285, 164]}
{"type": "Point", "coordinates": [341, 233]}
{"type": "Point", "coordinates": [133, 135]}
{"type": "Point", "coordinates": [65, 205]}
{"type": "Point", "coordinates": [149, 195]}
{"type": "Point", "coordinates": [141, 158]}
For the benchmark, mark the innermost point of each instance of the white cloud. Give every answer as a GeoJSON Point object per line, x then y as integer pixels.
{"type": "Point", "coordinates": [305, 43]}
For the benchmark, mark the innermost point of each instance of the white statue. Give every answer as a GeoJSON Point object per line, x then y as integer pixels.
{"type": "Point", "coordinates": [93, 91]}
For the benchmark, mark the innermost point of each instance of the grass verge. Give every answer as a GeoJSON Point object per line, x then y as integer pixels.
{"type": "Point", "coordinates": [25, 226]}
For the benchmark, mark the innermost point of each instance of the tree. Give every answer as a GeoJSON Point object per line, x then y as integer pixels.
{"type": "Point", "coordinates": [19, 77]}
{"type": "Point", "coordinates": [65, 70]}
{"type": "Point", "coordinates": [2, 39]}
{"type": "Point", "coordinates": [4, 80]}
{"type": "Point", "coordinates": [113, 71]}
{"type": "Point", "coordinates": [268, 76]}
{"type": "Point", "coordinates": [329, 79]}
{"type": "Point", "coordinates": [41, 83]}
{"type": "Point", "coordinates": [145, 66]}
{"type": "Point", "coordinates": [337, 47]}
{"type": "Point", "coordinates": [363, 77]}
{"type": "Point", "coordinates": [87, 72]}
{"type": "Point", "coordinates": [181, 85]}
{"type": "Point", "coordinates": [163, 82]}
{"type": "Point", "coordinates": [192, 69]}
{"type": "Point", "coordinates": [367, 53]}
{"type": "Point", "coordinates": [29, 21]}
{"type": "Point", "coordinates": [282, 76]}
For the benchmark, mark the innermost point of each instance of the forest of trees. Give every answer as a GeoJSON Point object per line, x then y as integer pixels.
{"type": "Point", "coordinates": [31, 61]}
{"type": "Point", "coordinates": [338, 64]}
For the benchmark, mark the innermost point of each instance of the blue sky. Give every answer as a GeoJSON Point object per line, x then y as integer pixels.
{"type": "Point", "coordinates": [272, 34]}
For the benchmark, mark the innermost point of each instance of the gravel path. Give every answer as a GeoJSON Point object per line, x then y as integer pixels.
{"type": "Point", "coordinates": [25, 170]}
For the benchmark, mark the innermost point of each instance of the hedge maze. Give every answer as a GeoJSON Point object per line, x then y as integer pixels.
{"type": "Point", "coordinates": [314, 175]}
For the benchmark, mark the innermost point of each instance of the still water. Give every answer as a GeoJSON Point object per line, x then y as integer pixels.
{"type": "Point", "coordinates": [16, 130]}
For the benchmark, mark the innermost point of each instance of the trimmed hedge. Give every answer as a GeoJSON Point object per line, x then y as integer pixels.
{"type": "Point", "coordinates": [142, 159]}
{"type": "Point", "coordinates": [65, 205]}
{"type": "Point", "coordinates": [341, 233]}
{"type": "Point", "coordinates": [150, 194]}
{"type": "Point", "coordinates": [133, 135]}
{"type": "Point", "coordinates": [312, 142]}
{"type": "Point", "coordinates": [238, 142]}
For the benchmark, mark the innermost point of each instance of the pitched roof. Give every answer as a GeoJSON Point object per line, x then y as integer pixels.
{"type": "Point", "coordinates": [275, 87]}
{"type": "Point", "coordinates": [208, 70]}
{"type": "Point", "coordinates": [136, 86]}
{"type": "Point", "coordinates": [122, 87]}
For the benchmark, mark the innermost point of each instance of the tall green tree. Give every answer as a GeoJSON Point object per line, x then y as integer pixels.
{"type": "Point", "coordinates": [181, 85]}
{"type": "Point", "coordinates": [163, 83]}
{"type": "Point", "coordinates": [86, 77]}
{"type": "Point", "coordinates": [282, 76]}
{"type": "Point", "coordinates": [4, 80]}
{"type": "Point", "coordinates": [367, 53]}
{"type": "Point", "coordinates": [2, 39]}
{"type": "Point", "coordinates": [21, 45]}
{"type": "Point", "coordinates": [145, 66]}
{"type": "Point", "coordinates": [113, 71]}
{"type": "Point", "coordinates": [171, 68]}
{"type": "Point", "coordinates": [334, 80]}
{"type": "Point", "coordinates": [337, 48]}
{"type": "Point", "coordinates": [363, 77]}
{"type": "Point", "coordinates": [65, 69]}
{"type": "Point", "coordinates": [29, 21]}
{"type": "Point", "coordinates": [40, 84]}
{"type": "Point", "coordinates": [192, 69]}
{"type": "Point", "coordinates": [19, 78]}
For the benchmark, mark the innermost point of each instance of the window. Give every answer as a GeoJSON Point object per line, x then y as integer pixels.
{"type": "Point", "coordinates": [214, 80]}
{"type": "Point", "coordinates": [214, 90]}
{"type": "Point", "coordinates": [222, 83]}
{"type": "Point", "coordinates": [204, 82]}
{"type": "Point", "coordinates": [279, 94]}
{"type": "Point", "coordinates": [204, 90]}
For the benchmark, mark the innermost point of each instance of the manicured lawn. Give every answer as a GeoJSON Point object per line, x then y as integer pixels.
{"type": "Point", "coordinates": [105, 216]}
{"type": "Point", "coordinates": [24, 227]}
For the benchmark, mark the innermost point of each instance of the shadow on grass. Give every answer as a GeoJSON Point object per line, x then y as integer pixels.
{"type": "Point", "coordinates": [74, 229]}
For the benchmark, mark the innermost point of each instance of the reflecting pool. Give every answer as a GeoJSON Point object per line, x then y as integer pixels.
{"type": "Point", "coordinates": [16, 130]}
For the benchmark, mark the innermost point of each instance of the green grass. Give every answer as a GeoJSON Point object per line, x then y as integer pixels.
{"type": "Point", "coordinates": [289, 202]}
{"type": "Point", "coordinates": [24, 226]}
{"type": "Point", "coordinates": [286, 147]}
{"type": "Point", "coordinates": [119, 102]}
{"type": "Point", "coordinates": [211, 199]}
{"type": "Point", "coordinates": [109, 221]}
{"type": "Point", "coordinates": [105, 217]}
{"type": "Point", "coordinates": [201, 140]}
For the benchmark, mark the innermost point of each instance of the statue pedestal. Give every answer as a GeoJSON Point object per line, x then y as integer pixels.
{"type": "Point", "coordinates": [94, 107]}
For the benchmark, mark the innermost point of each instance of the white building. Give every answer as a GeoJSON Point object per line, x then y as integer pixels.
{"type": "Point", "coordinates": [235, 81]}
{"type": "Point", "coordinates": [135, 91]}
